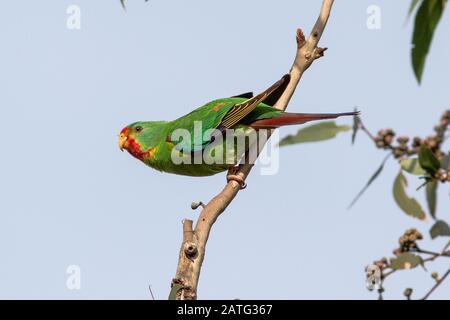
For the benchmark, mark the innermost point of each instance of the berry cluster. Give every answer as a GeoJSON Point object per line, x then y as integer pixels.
{"type": "Point", "coordinates": [386, 139]}
{"type": "Point", "coordinates": [442, 175]}
{"type": "Point", "coordinates": [408, 241]}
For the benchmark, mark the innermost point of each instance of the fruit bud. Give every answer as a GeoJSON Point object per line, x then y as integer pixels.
{"type": "Point", "coordinates": [408, 292]}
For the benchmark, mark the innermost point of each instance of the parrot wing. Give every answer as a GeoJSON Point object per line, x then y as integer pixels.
{"type": "Point", "coordinates": [246, 95]}
{"type": "Point", "coordinates": [221, 114]}
{"type": "Point", "coordinates": [241, 110]}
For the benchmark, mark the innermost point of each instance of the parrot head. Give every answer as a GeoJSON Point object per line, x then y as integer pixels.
{"type": "Point", "coordinates": [129, 139]}
{"type": "Point", "coordinates": [140, 139]}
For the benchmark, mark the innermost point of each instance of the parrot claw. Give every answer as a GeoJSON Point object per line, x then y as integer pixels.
{"type": "Point", "coordinates": [232, 176]}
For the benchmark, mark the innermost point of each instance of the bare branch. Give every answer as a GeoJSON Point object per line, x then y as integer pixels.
{"type": "Point", "coordinates": [438, 283]}
{"type": "Point", "coordinates": [189, 265]}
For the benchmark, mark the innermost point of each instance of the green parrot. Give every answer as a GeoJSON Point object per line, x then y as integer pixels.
{"type": "Point", "coordinates": [158, 143]}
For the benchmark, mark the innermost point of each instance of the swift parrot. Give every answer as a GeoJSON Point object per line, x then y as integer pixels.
{"type": "Point", "coordinates": [158, 143]}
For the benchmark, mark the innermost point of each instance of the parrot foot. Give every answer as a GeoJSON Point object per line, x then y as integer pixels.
{"type": "Point", "coordinates": [232, 176]}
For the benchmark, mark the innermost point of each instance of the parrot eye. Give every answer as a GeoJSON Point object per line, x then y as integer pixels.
{"type": "Point", "coordinates": [138, 129]}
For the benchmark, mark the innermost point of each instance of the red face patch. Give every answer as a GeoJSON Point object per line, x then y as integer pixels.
{"type": "Point", "coordinates": [134, 149]}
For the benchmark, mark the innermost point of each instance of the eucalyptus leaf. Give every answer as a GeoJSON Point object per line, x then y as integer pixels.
{"type": "Point", "coordinates": [431, 195]}
{"type": "Point", "coordinates": [317, 132]}
{"type": "Point", "coordinates": [371, 180]}
{"type": "Point", "coordinates": [413, 6]}
{"type": "Point", "coordinates": [406, 260]}
{"type": "Point", "coordinates": [440, 229]}
{"type": "Point", "coordinates": [428, 160]}
{"type": "Point", "coordinates": [412, 166]}
{"type": "Point", "coordinates": [426, 21]}
{"type": "Point", "coordinates": [408, 205]}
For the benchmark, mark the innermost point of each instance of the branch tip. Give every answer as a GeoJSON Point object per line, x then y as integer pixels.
{"type": "Point", "coordinates": [319, 52]}
{"type": "Point", "coordinates": [300, 38]}
{"type": "Point", "coordinates": [195, 205]}
{"type": "Point", "coordinates": [187, 225]}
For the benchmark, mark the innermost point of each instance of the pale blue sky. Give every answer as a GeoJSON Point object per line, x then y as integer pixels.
{"type": "Point", "coordinates": [69, 196]}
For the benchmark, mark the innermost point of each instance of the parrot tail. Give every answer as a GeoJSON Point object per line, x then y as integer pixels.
{"type": "Point", "coordinates": [287, 118]}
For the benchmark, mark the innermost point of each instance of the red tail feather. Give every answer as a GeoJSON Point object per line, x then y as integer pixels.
{"type": "Point", "coordinates": [287, 118]}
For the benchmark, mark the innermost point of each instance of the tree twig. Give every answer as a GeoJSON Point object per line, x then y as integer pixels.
{"type": "Point", "coordinates": [366, 131]}
{"type": "Point", "coordinates": [387, 274]}
{"type": "Point", "coordinates": [432, 256]}
{"type": "Point", "coordinates": [438, 283]}
{"type": "Point", "coordinates": [151, 292]}
{"type": "Point", "coordinates": [435, 254]}
{"type": "Point", "coordinates": [192, 251]}
{"type": "Point", "coordinates": [446, 247]}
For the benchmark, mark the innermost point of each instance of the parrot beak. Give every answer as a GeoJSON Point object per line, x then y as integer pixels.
{"type": "Point", "coordinates": [122, 140]}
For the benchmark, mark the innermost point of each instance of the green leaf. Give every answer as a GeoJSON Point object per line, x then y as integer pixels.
{"type": "Point", "coordinates": [428, 160]}
{"type": "Point", "coordinates": [440, 229]}
{"type": "Point", "coordinates": [426, 21]}
{"type": "Point", "coordinates": [412, 166]}
{"type": "Point", "coordinates": [431, 194]}
{"type": "Point", "coordinates": [173, 292]}
{"type": "Point", "coordinates": [356, 123]}
{"type": "Point", "coordinates": [317, 132]}
{"type": "Point", "coordinates": [371, 180]}
{"type": "Point", "coordinates": [405, 260]}
{"type": "Point", "coordinates": [409, 205]}
{"type": "Point", "coordinates": [413, 6]}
